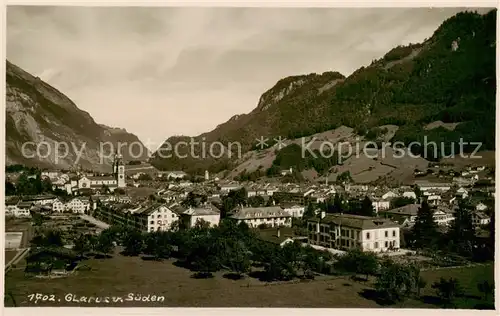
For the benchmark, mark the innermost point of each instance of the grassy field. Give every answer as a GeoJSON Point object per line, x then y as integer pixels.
{"type": "Point", "coordinates": [121, 275]}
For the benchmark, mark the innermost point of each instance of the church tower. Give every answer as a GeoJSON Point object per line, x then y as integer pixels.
{"type": "Point", "coordinates": [119, 171]}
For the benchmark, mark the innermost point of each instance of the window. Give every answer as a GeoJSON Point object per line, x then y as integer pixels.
{"type": "Point", "coordinates": [152, 222]}
{"type": "Point", "coordinates": [393, 233]}
{"type": "Point", "coordinates": [376, 245]}
{"type": "Point", "coordinates": [158, 216]}
{"type": "Point", "coordinates": [386, 244]}
{"type": "Point", "coordinates": [386, 233]}
{"type": "Point", "coordinates": [358, 235]}
{"type": "Point", "coordinates": [367, 235]}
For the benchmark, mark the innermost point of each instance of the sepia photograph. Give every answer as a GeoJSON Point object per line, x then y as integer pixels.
{"type": "Point", "coordinates": [287, 157]}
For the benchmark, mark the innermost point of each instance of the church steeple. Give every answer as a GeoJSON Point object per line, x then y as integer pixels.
{"type": "Point", "coordinates": [119, 170]}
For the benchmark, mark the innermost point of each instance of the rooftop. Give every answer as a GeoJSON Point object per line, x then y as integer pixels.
{"type": "Point", "coordinates": [357, 221]}
{"type": "Point", "coordinates": [260, 212]}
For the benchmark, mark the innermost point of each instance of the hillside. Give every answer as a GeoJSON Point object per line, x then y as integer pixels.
{"type": "Point", "coordinates": [37, 112]}
{"type": "Point", "coordinates": [448, 78]}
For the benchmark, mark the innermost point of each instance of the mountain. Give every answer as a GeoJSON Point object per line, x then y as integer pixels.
{"type": "Point", "coordinates": [450, 77]}
{"type": "Point", "coordinates": [37, 113]}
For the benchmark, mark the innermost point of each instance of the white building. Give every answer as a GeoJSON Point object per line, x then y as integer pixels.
{"type": "Point", "coordinates": [479, 219]}
{"type": "Point", "coordinates": [389, 195]}
{"type": "Point", "coordinates": [381, 205]}
{"type": "Point", "coordinates": [226, 188]}
{"type": "Point", "coordinates": [272, 216]}
{"type": "Point", "coordinates": [406, 215]}
{"type": "Point", "coordinates": [208, 213]}
{"type": "Point", "coordinates": [410, 195]}
{"type": "Point", "coordinates": [19, 209]}
{"type": "Point", "coordinates": [426, 185]}
{"type": "Point", "coordinates": [79, 205]}
{"type": "Point", "coordinates": [158, 217]}
{"type": "Point", "coordinates": [345, 231]}
{"type": "Point", "coordinates": [40, 199]}
{"type": "Point", "coordinates": [58, 206]}
{"type": "Point", "coordinates": [294, 210]}
{"type": "Point", "coordinates": [481, 207]}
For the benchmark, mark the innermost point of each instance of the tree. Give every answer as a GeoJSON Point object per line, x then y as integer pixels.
{"type": "Point", "coordinates": [447, 290]}
{"type": "Point", "coordinates": [256, 201]}
{"type": "Point", "coordinates": [158, 245]}
{"type": "Point", "coordinates": [104, 242]}
{"type": "Point", "coordinates": [462, 235]}
{"type": "Point", "coordinates": [46, 185]}
{"type": "Point", "coordinates": [191, 200]}
{"type": "Point", "coordinates": [309, 212]}
{"type": "Point", "coordinates": [358, 262]}
{"type": "Point", "coordinates": [145, 177]}
{"type": "Point", "coordinates": [401, 201]}
{"type": "Point", "coordinates": [54, 238]}
{"type": "Point", "coordinates": [395, 282]}
{"type": "Point", "coordinates": [205, 255]}
{"type": "Point", "coordinates": [10, 188]}
{"type": "Point", "coordinates": [486, 288]}
{"type": "Point", "coordinates": [337, 204]}
{"type": "Point", "coordinates": [37, 219]}
{"type": "Point", "coordinates": [367, 207]}
{"type": "Point", "coordinates": [105, 189]}
{"type": "Point", "coordinates": [133, 242]}
{"type": "Point", "coordinates": [418, 192]}
{"type": "Point", "coordinates": [237, 257]}
{"type": "Point", "coordinates": [81, 244]}
{"type": "Point", "coordinates": [424, 232]}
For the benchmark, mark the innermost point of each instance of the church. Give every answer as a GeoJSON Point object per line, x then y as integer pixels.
{"type": "Point", "coordinates": [100, 183]}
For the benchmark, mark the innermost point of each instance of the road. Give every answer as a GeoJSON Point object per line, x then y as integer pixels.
{"type": "Point", "coordinates": [97, 222]}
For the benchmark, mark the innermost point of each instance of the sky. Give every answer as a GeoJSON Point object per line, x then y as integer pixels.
{"type": "Point", "coordinates": [159, 72]}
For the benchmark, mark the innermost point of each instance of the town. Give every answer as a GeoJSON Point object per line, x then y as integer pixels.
{"type": "Point", "coordinates": [58, 221]}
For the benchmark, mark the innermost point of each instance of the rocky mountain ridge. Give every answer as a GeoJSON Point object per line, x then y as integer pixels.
{"type": "Point", "coordinates": [41, 118]}
{"type": "Point", "coordinates": [450, 77]}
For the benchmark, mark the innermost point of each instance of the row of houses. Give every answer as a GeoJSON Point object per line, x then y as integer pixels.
{"type": "Point", "coordinates": [157, 216]}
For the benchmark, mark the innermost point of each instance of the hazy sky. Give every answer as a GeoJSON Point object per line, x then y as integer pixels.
{"type": "Point", "coordinates": [160, 72]}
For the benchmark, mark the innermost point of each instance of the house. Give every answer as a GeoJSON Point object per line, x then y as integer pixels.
{"type": "Point", "coordinates": [294, 210]}
{"type": "Point", "coordinates": [271, 190]}
{"type": "Point", "coordinates": [481, 206]}
{"type": "Point", "coordinates": [406, 215]}
{"type": "Point", "coordinates": [480, 219]}
{"type": "Point", "coordinates": [58, 206]}
{"type": "Point", "coordinates": [79, 205]}
{"type": "Point", "coordinates": [273, 216]}
{"type": "Point", "coordinates": [462, 193]}
{"type": "Point", "coordinates": [40, 199]}
{"type": "Point", "coordinates": [23, 209]}
{"type": "Point", "coordinates": [226, 188]}
{"type": "Point", "coordinates": [410, 195]}
{"type": "Point", "coordinates": [157, 217]}
{"type": "Point", "coordinates": [434, 199]}
{"type": "Point", "coordinates": [345, 231]}
{"type": "Point", "coordinates": [17, 208]}
{"type": "Point", "coordinates": [172, 174]}
{"type": "Point", "coordinates": [381, 205]}
{"type": "Point", "coordinates": [426, 185]}
{"type": "Point", "coordinates": [389, 195]}
{"type": "Point", "coordinates": [208, 213]}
